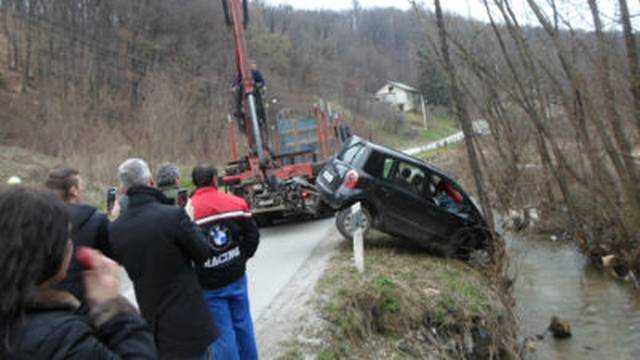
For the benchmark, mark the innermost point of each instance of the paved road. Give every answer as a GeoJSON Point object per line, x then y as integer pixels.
{"type": "Point", "coordinates": [283, 251]}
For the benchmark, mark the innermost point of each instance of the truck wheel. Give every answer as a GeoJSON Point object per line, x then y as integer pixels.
{"type": "Point", "coordinates": [344, 223]}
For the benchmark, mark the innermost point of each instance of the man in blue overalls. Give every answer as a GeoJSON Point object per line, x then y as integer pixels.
{"type": "Point", "coordinates": [234, 236]}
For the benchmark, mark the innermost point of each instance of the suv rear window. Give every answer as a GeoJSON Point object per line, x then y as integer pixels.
{"type": "Point", "coordinates": [350, 154]}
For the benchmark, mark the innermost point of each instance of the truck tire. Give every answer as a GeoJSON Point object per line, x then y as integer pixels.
{"type": "Point", "coordinates": [345, 226]}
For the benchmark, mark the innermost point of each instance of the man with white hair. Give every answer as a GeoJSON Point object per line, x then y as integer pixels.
{"type": "Point", "coordinates": [156, 243]}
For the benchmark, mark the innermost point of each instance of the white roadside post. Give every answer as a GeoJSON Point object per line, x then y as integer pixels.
{"type": "Point", "coordinates": [358, 243]}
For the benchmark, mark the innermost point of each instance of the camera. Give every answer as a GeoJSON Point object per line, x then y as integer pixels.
{"type": "Point", "coordinates": [111, 198]}
{"type": "Point", "coordinates": [183, 197]}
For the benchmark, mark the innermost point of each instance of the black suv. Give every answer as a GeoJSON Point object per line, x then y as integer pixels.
{"type": "Point", "coordinates": [402, 196]}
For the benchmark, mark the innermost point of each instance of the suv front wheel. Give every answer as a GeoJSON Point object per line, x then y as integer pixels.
{"type": "Point", "coordinates": [470, 240]}
{"type": "Point", "coordinates": [346, 226]}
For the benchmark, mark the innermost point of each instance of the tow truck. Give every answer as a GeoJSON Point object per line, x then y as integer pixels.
{"type": "Point", "coordinates": [276, 181]}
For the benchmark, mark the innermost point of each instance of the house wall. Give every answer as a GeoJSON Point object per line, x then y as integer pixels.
{"type": "Point", "coordinates": [397, 97]}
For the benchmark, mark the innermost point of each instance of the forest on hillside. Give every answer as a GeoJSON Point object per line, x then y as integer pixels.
{"type": "Point", "coordinates": [320, 52]}
{"type": "Point", "coordinates": [93, 82]}
{"type": "Point", "coordinates": [157, 74]}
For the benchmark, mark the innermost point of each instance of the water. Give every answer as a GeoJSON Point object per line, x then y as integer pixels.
{"type": "Point", "coordinates": [554, 279]}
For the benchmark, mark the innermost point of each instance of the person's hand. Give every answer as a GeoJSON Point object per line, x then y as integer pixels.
{"type": "Point", "coordinates": [115, 211]}
{"type": "Point", "coordinates": [101, 276]}
{"type": "Point", "coordinates": [188, 208]}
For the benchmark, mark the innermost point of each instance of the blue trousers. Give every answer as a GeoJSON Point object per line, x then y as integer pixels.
{"type": "Point", "coordinates": [229, 307]}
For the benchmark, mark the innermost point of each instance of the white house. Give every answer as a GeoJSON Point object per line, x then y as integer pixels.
{"type": "Point", "coordinates": [405, 97]}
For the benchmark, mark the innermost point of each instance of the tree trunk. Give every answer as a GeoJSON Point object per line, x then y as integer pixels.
{"type": "Point", "coordinates": [614, 116]}
{"type": "Point", "coordinates": [463, 116]}
{"type": "Point", "coordinates": [26, 68]}
{"type": "Point", "coordinates": [632, 58]}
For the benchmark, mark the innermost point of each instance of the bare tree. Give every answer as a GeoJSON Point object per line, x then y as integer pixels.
{"type": "Point", "coordinates": [462, 114]}
{"type": "Point", "coordinates": [632, 58]}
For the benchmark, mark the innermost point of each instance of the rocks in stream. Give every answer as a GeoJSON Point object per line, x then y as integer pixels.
{"type": "Point", "coordinates": [615, 266]}
{"type": "Point", "coordinates": [519, 220]}
{"type": "Point", "coordinates": [560, 329]}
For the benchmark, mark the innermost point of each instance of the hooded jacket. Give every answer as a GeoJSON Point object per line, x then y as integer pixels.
{"type": "Point", "coordinates": [52, 329]}
{"type": "Point", "coordinates": [156, 242]}
{"type": "Point", "coordinates": [232, 234]}
{"type": "Point", "coordinates": [88, 228]}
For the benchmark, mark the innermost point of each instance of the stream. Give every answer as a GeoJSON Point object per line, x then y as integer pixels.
{"type": "Point", "coordinates": [553, 278]}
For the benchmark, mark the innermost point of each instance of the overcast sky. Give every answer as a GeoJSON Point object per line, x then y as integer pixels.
{"type": "Point", "coordinates": [575, 10]}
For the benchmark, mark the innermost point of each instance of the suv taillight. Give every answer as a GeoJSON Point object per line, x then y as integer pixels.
{"type": "Point", "coordinates": [351, 179]}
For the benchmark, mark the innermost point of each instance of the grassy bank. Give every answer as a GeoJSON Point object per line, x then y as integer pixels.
{"type": "Point", "coordinates": [406, 305]}
{"type": "Point", "coordinates": [387, 126]}
{"type": "Point", "coordinates": [439, 126]}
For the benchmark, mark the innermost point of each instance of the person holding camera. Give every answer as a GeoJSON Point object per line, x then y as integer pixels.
{"type": "Point", "coordinates": [38, 321]}
{"type": "Point", "coordinates": [168, 178]}
{"type": "Point", "coordinates": [89, 227]}
{"type": "Point", "coordinates": [168, 182]}
{"type": "Point", "coordinates": [157, 243]}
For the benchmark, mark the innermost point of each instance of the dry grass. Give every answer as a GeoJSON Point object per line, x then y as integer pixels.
{"type": "Point", "coordinates": [407, 304]}
{"type": "Point", "coordinates": [169, 125]}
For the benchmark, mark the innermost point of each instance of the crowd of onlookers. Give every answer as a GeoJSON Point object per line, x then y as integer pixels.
{"type": "Point", "coordinates": [185, 255]}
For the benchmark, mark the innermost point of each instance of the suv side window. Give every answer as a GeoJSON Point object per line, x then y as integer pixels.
{"type": "Point", "coordinates": [387, 167]}
{"type": "Point", "coordinates": [410, 177]}
{"type": "Point", "coordinates": [352, 153]}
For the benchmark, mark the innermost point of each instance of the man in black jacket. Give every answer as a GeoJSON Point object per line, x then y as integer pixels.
{"type": "Point", "coordinates": [157, 244]}
{"type": "Point", "coordinates": [89, 226]}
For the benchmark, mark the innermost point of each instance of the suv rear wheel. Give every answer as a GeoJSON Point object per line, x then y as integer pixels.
{"type": "Point", "coordinates": [346, 226]}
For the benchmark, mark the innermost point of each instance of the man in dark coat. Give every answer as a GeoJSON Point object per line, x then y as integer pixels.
{"type": "Point", "coordinates": [89, 226]}
{"type": "Point", "coordinates": [157, 244]}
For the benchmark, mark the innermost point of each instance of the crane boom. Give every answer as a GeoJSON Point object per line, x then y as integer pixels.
{"type": "Point", "coordinates": [275, 185]}
{"type": "Point", "coordinates": [237, 14]}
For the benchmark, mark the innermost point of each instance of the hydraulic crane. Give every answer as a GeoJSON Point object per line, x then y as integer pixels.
{"type": "Point", "coordinates": [274, 185]}
{"type": "Point", "coordinates": [237, 17]}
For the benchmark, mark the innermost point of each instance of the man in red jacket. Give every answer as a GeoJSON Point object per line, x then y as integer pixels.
{"type": "Point", "coordinates": [234, 237]}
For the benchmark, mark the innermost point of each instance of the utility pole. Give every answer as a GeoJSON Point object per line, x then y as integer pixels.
{"type": "Point", "coordinates": [424, 111]}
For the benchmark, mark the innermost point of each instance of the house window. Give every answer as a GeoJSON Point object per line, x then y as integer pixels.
{"type": "Point", "coordinates": [390, 89]}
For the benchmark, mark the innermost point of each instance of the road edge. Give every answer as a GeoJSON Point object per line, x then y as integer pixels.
{"type": "Point", "coordinates": [292, 307]}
